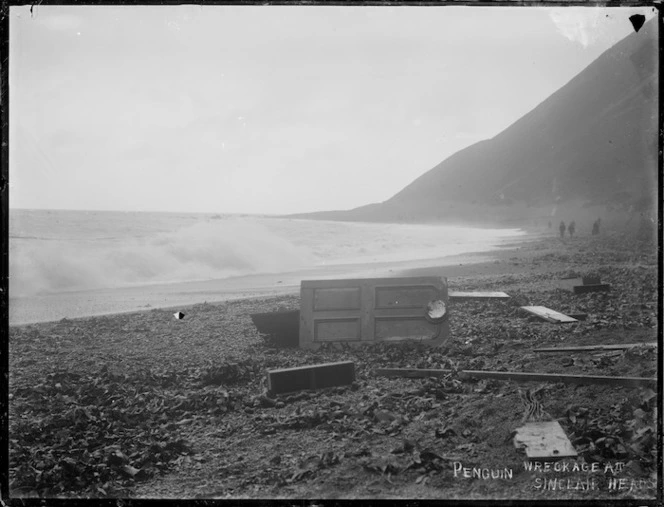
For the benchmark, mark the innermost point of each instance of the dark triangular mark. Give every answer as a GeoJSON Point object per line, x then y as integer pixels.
{"type": "Point", "coordinates": [637, 21]}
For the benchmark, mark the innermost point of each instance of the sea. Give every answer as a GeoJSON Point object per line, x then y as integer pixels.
{"type": "Point", "coordinates": [55, 252]}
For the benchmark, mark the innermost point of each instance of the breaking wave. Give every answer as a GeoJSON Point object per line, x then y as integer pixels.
{"type": "Point", "coordinates": [203, 251]}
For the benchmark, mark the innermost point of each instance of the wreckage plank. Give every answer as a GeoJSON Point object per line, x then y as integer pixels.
{"type": "Point", "coordinates": [620, 346]}
{"type": "Point", "coordinates": [316, 376]}
{"type": "Point", "coordinates": [519, 376]}
{"type": "Point", "coordinates": [544, 440]}
{"type": "Point", "coordinates": [599, 287]}
{"type": "Point", "coordinates": [549, 315]}
{"type": "Point", "coordinates": [478, 295]}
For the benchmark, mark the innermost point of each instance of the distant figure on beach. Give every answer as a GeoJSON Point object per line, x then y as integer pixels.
{"type": "Point", "coordinates": [571, 228]}
{"type": "Point", "coordinates": [561, 227]}
{"type": "Point", "coordinates": [596, 225]}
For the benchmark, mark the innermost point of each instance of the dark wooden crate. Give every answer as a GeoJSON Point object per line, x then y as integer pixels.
{"type": "Point", "coordinates": [317, 376]}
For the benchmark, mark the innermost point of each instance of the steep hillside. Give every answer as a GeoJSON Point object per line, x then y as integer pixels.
{"type": "Point", "coordinates": [593, 142]}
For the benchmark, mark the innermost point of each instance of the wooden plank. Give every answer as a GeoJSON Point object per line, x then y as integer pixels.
{"type": "Point", "coordinates": [519, 376]}
{"type": "Point", "coordinates": [544, 440]}
{"type": "Point", "coordinates": [478, 295]}
{"type": "Point", "coordinates": [316, 376]}
{"type": "Point", "coordinates": [619, 346]}
{"type": "Point", "coordinates": [549, 315]}
{"type": "Point", "coordinates": [600, 287]}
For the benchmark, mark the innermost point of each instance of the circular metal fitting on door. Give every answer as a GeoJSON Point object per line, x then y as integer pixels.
{"type": "Point", "coordinates": [436, 311]}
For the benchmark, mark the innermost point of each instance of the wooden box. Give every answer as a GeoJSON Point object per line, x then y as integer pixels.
{"type": "Point", "coordinates": [318, 376]}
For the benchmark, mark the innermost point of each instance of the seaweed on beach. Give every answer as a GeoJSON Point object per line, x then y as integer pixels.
{"type": "Point", "coordinates": [97, 433]}
{"type": "Point", "coordinates": [146, 406]}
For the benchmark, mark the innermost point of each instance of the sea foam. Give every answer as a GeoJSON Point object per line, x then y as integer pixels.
{"type": "Point", "coordinates": [207, 250]}
{"type": "Point", "coordinates": [55, 251]}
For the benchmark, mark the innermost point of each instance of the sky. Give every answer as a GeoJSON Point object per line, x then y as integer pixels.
{"type": "Point", "coordinates": [272, 109]}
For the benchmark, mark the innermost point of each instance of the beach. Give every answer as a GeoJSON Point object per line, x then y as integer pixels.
{"type": "Point", "coordinates": [301, 254]}
{"type": "Point", "coordinates": [165, 408]}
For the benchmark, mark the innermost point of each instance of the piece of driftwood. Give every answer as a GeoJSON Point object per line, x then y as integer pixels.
{"type": "Point", "coordinates": [599, 287]}
{"type": "Point", "coordinates": [519, 376]}
{"type": "Point", "coordinates": [590, 348]}
{"type": "Point", "coordinates": [544, 440]}
{"type": "Point", "coordinates": [549, 315]}
{"type": "Point", "coordinates": [478, 295]}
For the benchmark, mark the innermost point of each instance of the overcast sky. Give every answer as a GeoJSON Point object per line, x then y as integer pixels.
{"type": "Point", "coordinates": [273, 109]}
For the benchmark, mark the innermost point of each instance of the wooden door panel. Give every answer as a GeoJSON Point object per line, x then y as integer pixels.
{"type": "Point", "coordinates": [370, 310]}
{"type": "Point", "coordinates": [341, 298]}
{"type": "Point", "coordinates": [404, 297]}
{"type": "Point", "coordinates": [337, 330]}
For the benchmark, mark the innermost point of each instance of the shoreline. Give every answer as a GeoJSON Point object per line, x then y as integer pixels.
{"type": "Point", "coordinates": [82, 304]}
